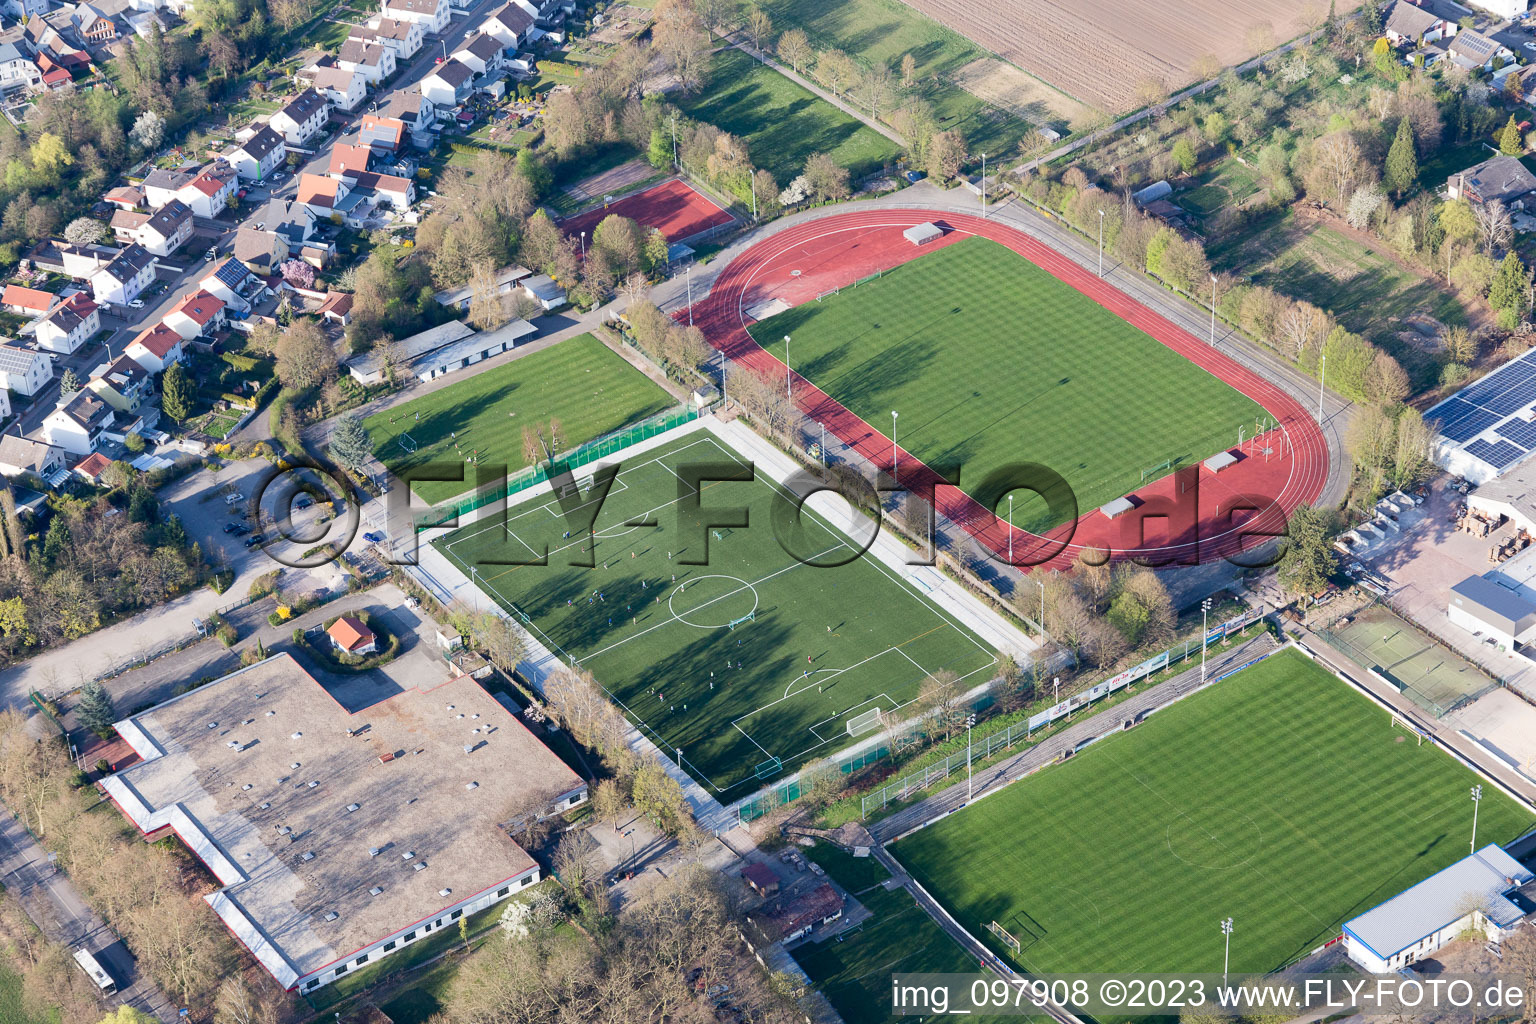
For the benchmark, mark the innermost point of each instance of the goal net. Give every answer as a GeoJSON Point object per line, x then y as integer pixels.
{"type": "Point", "coordinates": [407, 442]}
{"type": "Point", "coordinates": [1002, 933]}
{"type": "Point", "coordinates": [1400, 722]}
{"type": "Point", "coordinates": [866, 721]}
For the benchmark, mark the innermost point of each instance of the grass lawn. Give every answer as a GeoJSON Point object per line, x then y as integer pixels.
{"type": "Point", "coordinates": [1228, 183]}
{"type": "Point", "coordinates": [1071, 386]}
{"type": "Point", "coordinates": [886, 30]}
{"type": "Point", "coordinates": [581, 382]}
{"type": "Point", "coordinates": [13, 1009]}
{"type": "Point", "coordinates": [1280, 798]}
{"type": "Point", "coordinates": [782, 123]}
{"type": "Point", "coordinates": [855, 874]}
{"type": "Point", "coordinates": [1368, 293]}
{"type": "Point", "coordinates": [744, 703]}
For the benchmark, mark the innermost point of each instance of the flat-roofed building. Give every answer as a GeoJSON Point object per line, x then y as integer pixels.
{"type": "Point", "coordinates": [337, 836]}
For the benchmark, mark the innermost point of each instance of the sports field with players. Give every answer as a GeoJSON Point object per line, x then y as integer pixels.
{"type": "Point", "coordinates": [581, 382]}
{"type": "Point", "coordinates": [1279, 798]}
{"type": "Point", "coordinates": [990, 360]}
{"type": "Point", "coordinates": [751, 663]}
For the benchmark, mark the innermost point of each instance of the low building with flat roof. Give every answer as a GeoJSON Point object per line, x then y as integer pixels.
{"type": "Point", "coordinates": [339, 837]}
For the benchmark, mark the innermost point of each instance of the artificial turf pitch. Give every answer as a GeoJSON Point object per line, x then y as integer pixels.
{"type": "Point", "coordinates": [1279, 798]}
{"type": "Point", "coordinates": [824, 644]}
{"type": "Point", "coordinates": [588, 387]}
{"type": "Point", "coordinates": [991, 361]}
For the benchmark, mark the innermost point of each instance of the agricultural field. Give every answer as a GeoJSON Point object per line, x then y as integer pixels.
{"type": "Point", "coordinates": [782, 123]}
{"type": "Point", "coordinates": [1098, 51]}
{"type": "Point", "coordinates": [1304, 258]}
{"type": "Point", "coordinates": [581, 382]}
{"type": "Point", "coordinates": [991, 360]}
{"type": "Point", "coordinates": [969, 91]}
{"type": "Point", "coordinates": [722, 645]}
{"type": "Point", "coordinates": [1280, 798]}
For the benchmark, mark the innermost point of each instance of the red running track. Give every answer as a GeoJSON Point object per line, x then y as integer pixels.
{"type": "Point", "coordinates": [674, 208]}
{"type": "Point", "coordinates": [1190, 516]}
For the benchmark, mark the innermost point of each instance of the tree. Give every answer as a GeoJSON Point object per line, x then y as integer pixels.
{"type": "Point", "coordinates": [1363, 205]}
{"type": "Point", "coordinates": [501, 640]}
{"type": "Point", "coordinates": [759, 26]}
{"type": "Point", "coordinates": [941, 699]}
{"type": "Point", "coordinates": [176, 393]}
{"type": "Point", "coordinates": [305, 358]}
{"type": "Point", "coordinates": [298, 273]}
{"type": "Point", "coordinates": [69, 383]}
{"type": "Point", "coordinates": [946, 152]}
{"type": "Point", "coordinates": [1336, 167]}
{"type": "Point", "coordinates": [125, 1014]}
{"type": "Point", "coordinates": [659, 152]}
{"type": "Point", "coordinates": [1309, 562]}
{"type": "Point", "coordinates": [1402, 171]}
{"type": "Point", "coordinates": [836, 68]}
{"type": "Point", "coordinates": [236, 1003]}
{"type": "Point", "coordinates": [1510, 143]}
{"type": "Point", "coordinates": [1185, 154]}
{"type": "Point", "coordinates": [658, 794]}
{"type": "Point", "coordinates": [148, 131]}
{"type": "Point", "coordinates": [95, 709]}
{"type": "Point", "coordinates": [1494, 225]}
{"type": "Point", "coordinates": [350, 443]}
{"type": "Point", "coordinates": [84, 231]}
{"type": "Point", "coordinates": [908, 71]}
{"type": "Point", "coordinates": [826, 178]}
{"type": "Point", "coordinates": [487, 310]}
{"type": "Point", "coordinates": [794, 48]}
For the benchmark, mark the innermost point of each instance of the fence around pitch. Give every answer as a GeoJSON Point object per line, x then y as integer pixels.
{"type": "Point", "coordinates": [583, 454]}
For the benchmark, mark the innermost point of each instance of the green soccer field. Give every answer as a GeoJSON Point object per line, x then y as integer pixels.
{"type": "Point", "coordinates": [745, 702]}
{"type": "Point", "coordinates": [580, 381]}
{"type": "Point", "coordinates": [989, 361]}
{"type": "Point", "coordinates": [1279, 798]}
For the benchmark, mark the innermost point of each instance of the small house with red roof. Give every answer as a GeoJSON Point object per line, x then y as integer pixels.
{"type": "Point", "coordinates": [27, 301]}
{"type": "Point", "coordinates": [762, 878]}
{"type": "Point", "coordinates": [91, 467]}
{"type": "Point", "coordinates": [351, 635]}
{"type": "Point", "coordinates": [196, 315]}
{"type": "Point", "coordinates": [156, 348]}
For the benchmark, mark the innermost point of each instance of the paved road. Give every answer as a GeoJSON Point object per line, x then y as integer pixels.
{"type": "Point", "coordinates": [50, 899]}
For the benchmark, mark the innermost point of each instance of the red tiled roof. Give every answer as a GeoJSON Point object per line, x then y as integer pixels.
{"type": "Point", "coordinates": [200, 308]}
{"type": "Point", "coordinates": [27, 298]}
{"type": "Point", "coordinates": [132, 195]}
{"type": "Point", "coordinates": [350, 633]}
{"type": "Point", "coordinates": [316, 187]}
{"type": "Point", "coordinates": [93, 465]}
{"type": "Point", "coordinates": [207, 184]}
{"type": "Point", "coordinates": [81, 304]}
{"type": "Point", "coordinates": [159, 339]}
{"type": "Point", "coordinates": [347, 158]}
{"type": "Point", "coordinates": [339, 303]}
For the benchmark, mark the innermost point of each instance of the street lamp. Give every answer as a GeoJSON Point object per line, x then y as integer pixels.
{"type": "Point", "coordinates": [1213, 311]}
{"type": "Point", "coordinates": [1477, 798]}
{"type": "Point", "coordinates": [970, 720]}
{"type": "Point", "coordinates": [688, 276]}
{"type": "Point", "coordinates": [1101, 243]}
{"type": "Point", "coordinates": [1226, 957]}
{"type": "Point", "coordinates": [983, 186]}
{"type": "Point", "coordinates": [1205, 609]}
{"type": "Point", "coordinates": [583, 245]}
{"type": "Point", "coordinates": [895, 478]}
{"type": "Point", "coordinates": [1010, 555]}
{"type": "Point", "coordinates": [1322, 375]}
{"type": "Point", "coordinates": [787, 393]}
{"type": "Point", "coordinates": [1056, 690]}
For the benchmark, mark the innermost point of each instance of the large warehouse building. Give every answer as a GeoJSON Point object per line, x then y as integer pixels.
{"type": "Point", "coordinates": [1489, 426]}
{"type": "Point", "coordinates": [339, 837]}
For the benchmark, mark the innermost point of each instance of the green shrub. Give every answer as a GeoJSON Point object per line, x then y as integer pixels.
{"type": "Point", "coordinates": [227, 635]}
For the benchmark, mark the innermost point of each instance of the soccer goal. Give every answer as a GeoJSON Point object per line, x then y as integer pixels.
{"type": "Point", "coordinates": [739, 620]}
{"type": "Point", "coordinates": [407, 442]}
{"type": "Point", "coordinates": [1002, 933]}
{"type": "Point", "coordinates": [1157, 470]}
{"type": "Point", "coordinates": [866, 721]}
{"type": "Point", "coordinates": [1401, 722]}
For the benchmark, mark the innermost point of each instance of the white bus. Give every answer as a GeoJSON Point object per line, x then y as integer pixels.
{"type": "Point", "coordinates": [95, 972]}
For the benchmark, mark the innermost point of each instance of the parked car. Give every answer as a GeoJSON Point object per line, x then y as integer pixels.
{"type": "Point", "coordinates": [914, 176]}
{"type": "Point", "coordinates": [234, 498]}
{"type": "Point", "coordinates": [210, 255]}
{"type": "Point", "coordinates": [251, 542]}
{"type": "Point", "coordinates": [304, 501]}
{"type": "Point", "coordinates": [374, 538]}
{"type": "Point", "coordinates": [231, 527]}
{"type": "Point", "coordinates": [137, 303]}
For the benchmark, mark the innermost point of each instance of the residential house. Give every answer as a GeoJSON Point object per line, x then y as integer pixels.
{"type": "Point", "coordinates": [209, 193]}
{"type": "Point", "coordinates": [322, 195]}
{"type": "Point", "coordinates": [382, 134]}
{"type": "Point", "coordinates": [123, 384]}
{"type": "Point", "coordinates": [293, 223]}
{"type": "Point", "coordinates": [71, 324]}
{"type": "Point", "coordinates": [385, 190]}
{"type": "Point", "coordinates": [509, 24]}
{"type": "Point", "coordinates": [449, 84]}
{"type": "Point", "coordinates": [77, 425]}
{"type": "Point", "coordinates": [259, 249]}
{"type": "Point", "coordinates": [483, 54]}
{"type": "Point", "coordinates": [350, 635]}
{"type": "Point", "coordinates": [125, 197]}
{"type": "Point", "coordinates": [27, 301]}
{"type": "Point", "coordinates": [76, 261]}
{"type": "Point", "coordinates": [432, 15]}
{"type": "Point", "coordinates": [414, 110]}
{"type": "Point", "coordinates": [337, 308]}
{"type": "Point", "coordinates": [91, 468]}
{"type": "Point", "coordinates": [793, 916]}
{"type": "Point", "coordinates": [1477, 52]}
{"type": "Point", "coordinates": [24, 370]}
{"type": "Point", "coordinates": [374, 61]}
{"type": "Point", "coordinates": [196, 315]}
{"type": "Point", "coordinates": [121, 280]}
{"type": "Point", "coordinates": [145, 23]}
{"type": "Point", "coordinates": [161, 232]}
{"type": "Point", "coordinates": [94, 25]}
{"type": "Point", "coordinates": [24, 10]}
{"type": "Point", "coordinates": [20, 455]}
{"type": "Point", "coordinates": [257, 157]}
{"type": "Point", "coordinates": [17, 69]}
{"type": "Point", "coordinates": [348, 161]}
{"type": "Point", "coordinates": [231, 283]}
{"type": "Point", "coordinates": [543, 290]}
{"type": "Point", "coordinates": [1499, 177]}
{"type": "Point", "coordinates": [302, 117]}
{"type": "Point", "coordinates": [162, 185]}
{"type": "Point", "coordinates": [343, 88]}
{"type": "Point", "coordinates": [404, 37]}
{"type": "Point", "coordinates": [156, 349]}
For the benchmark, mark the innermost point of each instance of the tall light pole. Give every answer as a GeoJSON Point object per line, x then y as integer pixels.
{"type": "Point", "coordinates": [1056, 691]}
{"type": "Point", "coordinates": [1477, 798]}
{"type": "Point", "coordinates": [1226, 956]}
{"type": "Point", "coordinates": [674, 138]}
{"type": "Point", "coordinates": [787, 393]}
{"type": "Point", "coordinates": [1040, 582]}
{"type": "Point", "coordinates": [688, 276]}
{"type": "Point", "coordinates": [983, 186]}
{"type": "Point", "coordinates": [1101, 243]}
{"type": "Point", "coordinates": [1213, 311]}
{"type": "Point", "coordinates": [1205, 610]}
{"type": "Point", "coordinates": [895, 477]}
{"type": "Point", "coordinates": [583, 245]}
{"type": "Point", "coordinates": [1010, 554]}
{"type": "Point", "coordinates": [1322, 375]}
{"type": "Point", "coordinates": [969, 721]}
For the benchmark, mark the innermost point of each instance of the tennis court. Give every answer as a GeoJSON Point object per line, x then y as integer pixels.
{"type": "Point", "coordinates": [716, 640]}
{"type": "Point", "coordinates": [1428, 673]}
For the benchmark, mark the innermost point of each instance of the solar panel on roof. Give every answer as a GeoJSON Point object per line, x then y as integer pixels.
{"type": "Point", "coordinates": [1498, 455]}
{"type": "Point", "coordinates": [1468, 423]}
{"type": "Point", "coordinates": [1518, 430]}
{"type": "Point", "coordinates": [1510, 401]}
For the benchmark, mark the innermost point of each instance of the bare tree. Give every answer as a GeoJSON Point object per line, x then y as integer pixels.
{"type": "Point", "coordinates": [940, 697]}
{"type": "Point", "coordinates": [1494, 225]}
